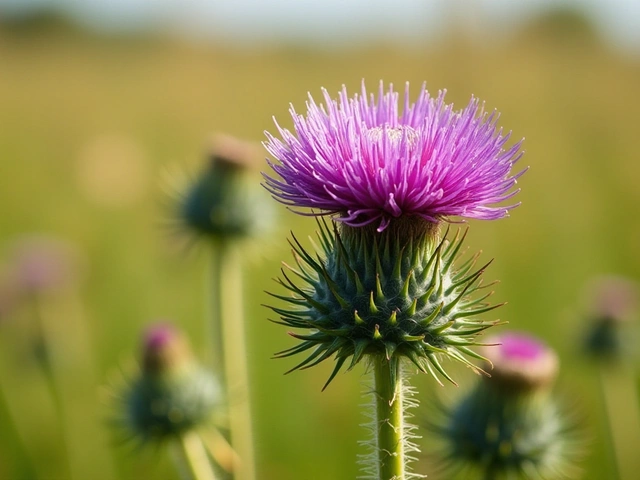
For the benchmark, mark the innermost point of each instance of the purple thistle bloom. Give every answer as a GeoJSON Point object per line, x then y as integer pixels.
{"type": "Point", "coordinates": [520, 360]}
{"type": "Point", "coordinates": [360, 158]}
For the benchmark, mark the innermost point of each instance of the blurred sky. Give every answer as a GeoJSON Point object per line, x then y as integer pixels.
{"type": "Point", "coordinates": [330, 22]}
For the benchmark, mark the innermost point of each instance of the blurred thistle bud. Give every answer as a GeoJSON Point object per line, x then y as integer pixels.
{"type": "Point", "coordinates": [39, 264]}
{"type": "Point", "coordinates": [612, 304]}
{"type": "Point", "coordinates": [509, 425]}
{"type": "Point", "coordinates": [173, 393]}
{"type": "Point", "coordinates": [225, 199]}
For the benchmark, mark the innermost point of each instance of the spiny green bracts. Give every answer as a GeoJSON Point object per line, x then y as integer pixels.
{"type": "Point", "coordinates": [392, 294]}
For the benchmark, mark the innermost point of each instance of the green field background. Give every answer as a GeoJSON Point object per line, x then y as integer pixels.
{"type": "Point", "coordinates": [154, 101]}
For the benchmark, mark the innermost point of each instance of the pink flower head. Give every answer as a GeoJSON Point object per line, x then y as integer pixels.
{"type": "Point", "coordinates": [360, 158]}
{"type": "Point", "coordinates": [520, 359]}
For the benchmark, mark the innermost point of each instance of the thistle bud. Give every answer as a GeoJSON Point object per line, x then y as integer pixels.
{"type": "Point", "coordinates": [173, 393]}
{"type": "Point", "coordinates": [510, 425]}
{"type": "Point", "coordinates": [612, 304]}
{"type": "Point", "coordinates": [224, 201]}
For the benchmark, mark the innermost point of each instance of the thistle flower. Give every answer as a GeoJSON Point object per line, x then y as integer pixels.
{"type": "Point", "coordinates": [394, 290]}
{"type": "Point", "coordinates": [363, 160]}
{"type": "Point", "coordinates": [173, 393]}
{"type": "Point", "coordinates": [520, 362]}
{"type": "Point", "coordinates": [386, 287]}
{"type": "Point", "coordinates": [510, 425]}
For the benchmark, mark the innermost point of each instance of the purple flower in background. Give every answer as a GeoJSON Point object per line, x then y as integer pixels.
{"type": "Point", "coordinates": [360, 158]}
{"type": "Point", "coordinates": [41, 263]}
{"type": "Point", "coordinates": [520, 360]}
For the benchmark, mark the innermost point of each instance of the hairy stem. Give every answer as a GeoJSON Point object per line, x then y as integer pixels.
{"type": "Point", "coordinates": [390, 428]}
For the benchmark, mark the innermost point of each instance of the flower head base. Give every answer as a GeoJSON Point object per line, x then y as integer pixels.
{"type": "Point", "coordinates": [398, 294]}
{"type": "Point", "coordinates": [510, 425]}
{"type": "Point", "coordinates": [363, 160]}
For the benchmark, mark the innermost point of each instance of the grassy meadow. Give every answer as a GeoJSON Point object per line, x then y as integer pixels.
{"type": "Point", "coordinates": [89, 126]}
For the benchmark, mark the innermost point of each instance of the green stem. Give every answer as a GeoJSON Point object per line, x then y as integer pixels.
{"type": "Point", "coordinates": [620, 403]}
{"type": "Point", "coordinates": [53, 373]}
{"type": "Point", "coordinates": [390, 428]}
{"type": "Point", "coordinates": [194, 457]}
{"type": "Point", "coordinates": [17, 451]}
{"type": "Point", "coordinates": [213, 327]}
{"type": "Point", "coordinates": [230, 338]}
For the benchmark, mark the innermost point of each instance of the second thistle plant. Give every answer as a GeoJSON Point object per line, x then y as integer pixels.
{"type": "Point", "coordinates": [511, 426]}
{"type": "Point", "coordinates": [225, 207]}
{"type": "Point", "coordinates": [172, 400]}
{"type": "Point", "coordinates": [385, 286]}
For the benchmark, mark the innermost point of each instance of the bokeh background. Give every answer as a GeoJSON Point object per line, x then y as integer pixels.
{"type": "Point", "coordinates": [98, 100]}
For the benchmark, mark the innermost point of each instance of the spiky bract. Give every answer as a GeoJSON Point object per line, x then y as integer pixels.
{"type": "Point", "coordinates": [396, 294]}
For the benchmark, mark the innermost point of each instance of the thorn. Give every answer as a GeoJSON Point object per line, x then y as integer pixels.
{"type": "Point", "coordinates": [373, 309]}
{"type": "Point", "coordinates": [393, 318]}
{"type": "Point", "coordinates": [376, 333]}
